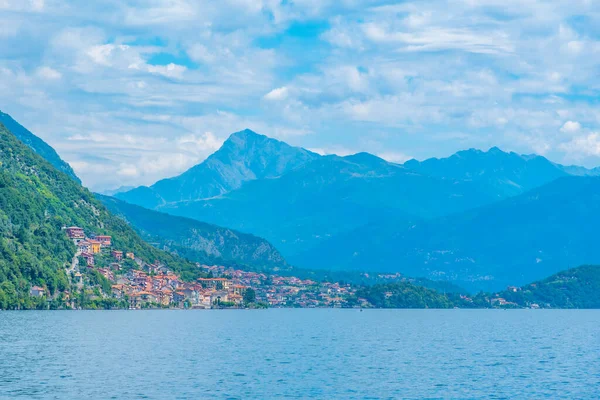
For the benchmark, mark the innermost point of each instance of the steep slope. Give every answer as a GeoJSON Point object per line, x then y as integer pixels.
{"type": "Point", "coordinates": [198, 241]}
{"type": "Point", "coordinates": [36, 202]}
{"type": "Point", "coordinates": [37, 145]}
{"type": "Point", "coordinates": [518, 240]}
{"type": "Point", "coordinates": [244, 157]}
{"type": "Point", "coordinates": [502, 174]}
{"type": "Point", "coordinates": [328, 196]}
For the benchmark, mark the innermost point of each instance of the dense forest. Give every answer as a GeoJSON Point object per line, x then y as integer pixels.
{"type": "Point", "coordinates": [36, 202]}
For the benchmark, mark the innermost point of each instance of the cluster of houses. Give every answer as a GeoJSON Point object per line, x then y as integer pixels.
{"type": "Point", "coordinates": [142, 288]}
{"type": "Point", "coordinates": [88, 247]}
{"type": "Point", "coordinates": [287, 291]}
{"type": "Point", "coordinates": [154, 284]}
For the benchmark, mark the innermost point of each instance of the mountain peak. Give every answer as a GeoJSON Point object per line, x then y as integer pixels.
{"type": "Point", "coordinates": [245, 156]}
{"type": "Point", "coordinates": [496, 150]}
{"type": "Point", "coordinates": [246, 134]}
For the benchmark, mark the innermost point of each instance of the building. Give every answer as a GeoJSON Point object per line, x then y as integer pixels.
{"type": "Point", "coordinates": [104, 240]}
{"type": "Point", "coordinates": [107, 273]}
{"type": "Point", "coordinates": [117, 254]}
{"type": "Point", "coordinates": [130, 255]}
{"type": "Point", "coordinates": [84, 246]}
{"type": "Point", "coordinates": [236, 298]}
{"type": "Point", "coordinates": [96, 246]}
{"type": "Point", "coordinates": [215, 283]}
{"type": "Point", "coordinates": [75, 232]}
{"type": "Point", "coordinates": [37, 291]}
{"type": "Point", "coordinates": [239, 289]}
{"type": "Point", "coordinates": [89, 259]}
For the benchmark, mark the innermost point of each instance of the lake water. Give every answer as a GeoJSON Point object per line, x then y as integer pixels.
{"type": "Point", "coordinates": [286, 353]}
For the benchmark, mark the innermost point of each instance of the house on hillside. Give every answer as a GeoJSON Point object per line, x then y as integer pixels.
{"type": "Point", "coordinates": [89, 259]}
{"type": "Point", "coordinates": [75, 232]}
{"type": "Point", "coordinates": [84, 246]}
{"type": "Point", "coordinates": [37, 291]}
{"type": "Point", "coordinates": [117, 254]}
{"type": "Point", "coordinates": [130, 255]}
{"type": "Point", "coordinates": [104, 240]}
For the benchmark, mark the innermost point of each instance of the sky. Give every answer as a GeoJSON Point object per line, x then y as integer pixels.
{"type": "Point", "coordinates": [132, 91]}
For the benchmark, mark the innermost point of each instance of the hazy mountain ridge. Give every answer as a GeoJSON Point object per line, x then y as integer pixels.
{"type": "Point", "coordinates": [328, 196]}
{"type": "Point", "coordinates": [514, 241]}
{"type": "Point", "coordinates": [506, 174]}
{"type": "Point", "coordinates": [198, 241]}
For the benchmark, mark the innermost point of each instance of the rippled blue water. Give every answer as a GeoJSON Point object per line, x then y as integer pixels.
{"type": "Point", "coordinates": [324, 354]}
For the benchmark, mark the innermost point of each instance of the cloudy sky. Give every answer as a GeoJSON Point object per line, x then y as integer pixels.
{"type": "Point", "coordinates": [130, 91]}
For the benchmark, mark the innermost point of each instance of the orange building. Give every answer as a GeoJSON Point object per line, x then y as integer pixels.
{"type": "Point", "coordinates": [96, 246]}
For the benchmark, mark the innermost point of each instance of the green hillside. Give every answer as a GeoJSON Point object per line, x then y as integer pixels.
{"type": "Point", "coordinates": [574, 288]}
{"type": "Point", "coordinates": [36, 202]}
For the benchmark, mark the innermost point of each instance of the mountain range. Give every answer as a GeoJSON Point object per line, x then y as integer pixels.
{"type": "Point", "coordinates": [467, 218]}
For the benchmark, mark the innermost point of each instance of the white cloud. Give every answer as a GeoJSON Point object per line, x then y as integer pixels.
{"type": "Point", "coordinates": [277, 94]}
{"type": "Point", "coordinates": [48, 73]}
{"type": "Point", "coordinates": [170, 70]}
{"type": "Point", "coordinates": [206, 142]}
{"type": "Point", "coordinates": [571, 127]}
{"type": "Point", "coordinates": [408, 75]}
{"type": "Point", "coordinates": [587, 145]}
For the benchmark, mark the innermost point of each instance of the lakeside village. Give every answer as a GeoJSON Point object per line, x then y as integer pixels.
{"type": "Point", "coordinates": [129, 281]}
{"type": "Point", "coordinates": [102, 276]}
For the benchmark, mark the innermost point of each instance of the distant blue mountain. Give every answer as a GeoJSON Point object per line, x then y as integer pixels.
{"type": "Point", "coordinates": [38, 145]}
{"type": "Point", "coordinates": [328, 196]}
{"type": "Point", "coordinates": [517, 240]}
{"type": "Point", "coordinates": [503, 174]}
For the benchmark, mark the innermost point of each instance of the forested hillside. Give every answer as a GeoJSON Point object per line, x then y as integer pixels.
{"type": "Point", "coordinates": [36, 202]}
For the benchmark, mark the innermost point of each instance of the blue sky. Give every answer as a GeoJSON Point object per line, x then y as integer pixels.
{"type": "Point", "coordinates": [133, 91]}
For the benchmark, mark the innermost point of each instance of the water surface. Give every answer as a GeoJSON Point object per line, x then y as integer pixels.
{"type": "Point", "coordinates": [286, 353]}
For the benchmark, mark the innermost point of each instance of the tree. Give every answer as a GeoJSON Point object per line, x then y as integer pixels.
{"type": "Point", "coordinates": [249, 296]}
